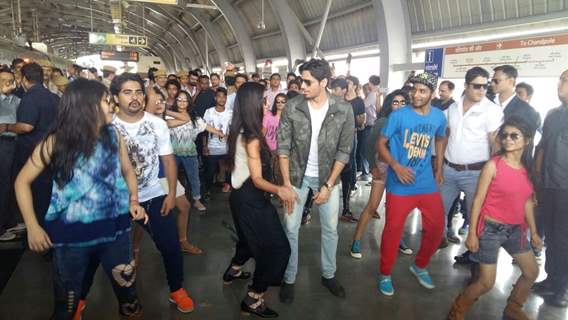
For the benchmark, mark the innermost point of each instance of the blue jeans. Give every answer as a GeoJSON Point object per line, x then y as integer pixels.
{"type": "Point", "coordinates": [329, 215]}
{"type": "Point", "coordinates": [456, 182]}
{"type": "Point", "coordinates": [190, 165]}
{"type": "Point", "coordinates": [72, 267]}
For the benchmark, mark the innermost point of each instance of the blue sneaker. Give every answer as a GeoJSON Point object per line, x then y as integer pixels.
{"type": "Point", "coordinates": [422, 276]}
{"type": "Point", "coordinates": [356, 249]}
{"type": "Point", "coordinates": [385, 285]}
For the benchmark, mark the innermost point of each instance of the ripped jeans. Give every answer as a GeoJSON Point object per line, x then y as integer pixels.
{"type": "Point", "coordinates": [70, 270]}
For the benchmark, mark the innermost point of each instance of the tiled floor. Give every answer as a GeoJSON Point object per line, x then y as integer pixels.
{"type": "Point", "coordinates": [28, 294]}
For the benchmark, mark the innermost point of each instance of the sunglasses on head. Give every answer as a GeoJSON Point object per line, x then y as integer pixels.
{"type": "Point", "coordinates": [514, 136]}
{"type": "Point", "coordinates": [479, 86]}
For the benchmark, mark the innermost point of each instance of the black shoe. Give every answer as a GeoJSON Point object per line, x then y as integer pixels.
{"type": "Point", "coordinates": [543, 288]}
{"type": "Point", "coordinates": [262, 311]}
{"type": "Point", "coordinates": [287, 293]}
{"type": "Point", "coordinates": [557, 300]}
{"type": "Point", "coordinates": [333, 286]}
{"type": "Point", "coordinates": [464, 258]}
{"type": "Point", "coordinates": [232, 274]}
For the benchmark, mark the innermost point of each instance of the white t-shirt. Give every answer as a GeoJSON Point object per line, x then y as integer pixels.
{"type": "Point", "coordinates": [317, 116]}
{"type": "Point", "coordinates": [146, 140]}
{"type": "Point", "coordinates": [230, 105]}
{"type": "Point", "coordinates": [469, 142]}
{"type": "Point", "coordinates": [220, 121]}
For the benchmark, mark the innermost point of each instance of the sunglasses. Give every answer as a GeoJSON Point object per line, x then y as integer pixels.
{"type": "Point", "coordinates": [280, 102]}
{"type": "Point", "coordinates": [514, 136]}
{"type": "Point", "coordinates": [479, 86]}
{"type": "Point", "coordinates": [182, 100]}
{"type": "Point", "coordinates": [399, 102]}
{"type": "Point", "coordinates": [307, 82]}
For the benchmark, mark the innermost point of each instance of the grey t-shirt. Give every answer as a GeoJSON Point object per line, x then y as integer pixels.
{"type": "Point", "coordinates": [8, 109]}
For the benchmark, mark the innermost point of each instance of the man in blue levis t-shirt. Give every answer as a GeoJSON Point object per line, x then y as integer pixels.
{"type": "Point", "coordinates": [406, 144]}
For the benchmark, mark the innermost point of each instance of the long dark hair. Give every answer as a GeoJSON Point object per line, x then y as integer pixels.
{"type": "Point", "coordinates": [190, 109]}
{"type": "Point", "coordinates": [247, 118]}
{"type": "Point", "coordinates": [528, 135]}
{"type": "Point", "coordinates": [77, 129]}
{"type": "Point", "coordinates": [273, 110]}
{"type": "Point", "coordinates": [387, 103]}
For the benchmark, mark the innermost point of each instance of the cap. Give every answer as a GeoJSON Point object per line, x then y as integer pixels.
{"type": "Point", "coordinates": [45, 63]}
{"type": "Point", "coordinates": [59, 81]}
{"type": "Point", "coordinates": [160, 73]}
{"type": "Point", "coordinates": [182, 73]}
{"type": "Point", "coordinates": [109, 68]}
{"type": "Point", "coordinates": [427, 79]}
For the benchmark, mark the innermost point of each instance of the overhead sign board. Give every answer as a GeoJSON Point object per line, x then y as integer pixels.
{"type": "Point", "coordinates": [433, 61]}
{"type": "Point", "coordinates": [533, 57]}
{"type": "Point", "coordinates": [174, 2]}
{"type": "Point", "coordinates": [120, 55]}
{"type": "Point", "coordinates": [114, 39]}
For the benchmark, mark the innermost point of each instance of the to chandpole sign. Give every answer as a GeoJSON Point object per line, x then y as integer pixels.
{"type": "Point", "coordinates": [120, 55]}
{"type": "Point", "coordinates": [174, 2]}
{"type": "Point", "coordinates": [113, 39]}
{"type": "Point", "coordinates": [533, 57]}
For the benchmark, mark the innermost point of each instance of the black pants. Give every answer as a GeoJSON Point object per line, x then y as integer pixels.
{"type": "Point", "coordinates": [555, 213]}
{"type": "Point", "coordinates": [261, 236]}
{"type": "Point", "coordinates": [346, 186]}
{"type": "Point", "coordinates": [8, 211]}
{"type": "Point", "coordinates": [211, 166]}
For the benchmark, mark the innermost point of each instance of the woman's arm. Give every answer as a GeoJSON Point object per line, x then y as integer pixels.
{"type": "Point", "coordinates": [529, 218]}
{"type": "Point", "coordinates": [485, 178]}
{"type": "Point", "coordinates": [38, 239]}
{"type": "Point", "coordinates": [183, 116]}
{"type": "Point", "coordinates": [287, 195]}
{"type": "Point", "coordinates": [136, 211]}
{"type": "Point", "coordinates": [214, 131]}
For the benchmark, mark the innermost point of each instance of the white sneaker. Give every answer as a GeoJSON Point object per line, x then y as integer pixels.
{"type": "Point", "coordinates": [17, 228]}
{"type": "Point", "coordinates": [7, 236]}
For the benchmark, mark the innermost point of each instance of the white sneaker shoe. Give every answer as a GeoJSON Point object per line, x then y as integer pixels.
{"type": "Point", "coordinates": [7, 236]}
{"type": "Point", "coordinates": [17, 228]}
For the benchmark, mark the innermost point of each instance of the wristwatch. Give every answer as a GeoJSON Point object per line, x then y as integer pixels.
{"type": "Point", "coordinates": [328, 186]}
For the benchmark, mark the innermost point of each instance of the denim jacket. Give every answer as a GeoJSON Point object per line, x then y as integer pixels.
{"type": "Point", "coordinates": [335, 138]}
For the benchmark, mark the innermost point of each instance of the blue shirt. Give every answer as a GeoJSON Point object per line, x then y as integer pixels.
{"type": "Point", "coordinates": [411, 138]}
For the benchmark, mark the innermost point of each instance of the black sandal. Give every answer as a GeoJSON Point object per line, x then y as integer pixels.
{"type": "Point", "coordinates": [253, 303]}
{"type": "Point", "coordinates": [234, 274]}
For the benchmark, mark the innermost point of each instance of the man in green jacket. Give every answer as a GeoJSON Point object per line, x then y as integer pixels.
{"type": "Point", "coordinates": [315, 138]}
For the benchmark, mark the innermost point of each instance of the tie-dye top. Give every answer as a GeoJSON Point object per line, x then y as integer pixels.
{"type": "Point", "coordinates": [93, 207]}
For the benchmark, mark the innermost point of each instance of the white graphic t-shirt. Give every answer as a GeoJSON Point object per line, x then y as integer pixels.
{"type": "Point", "coordinates": [146, 140]}
{"type": "Point", "coordinates": [220, 121]}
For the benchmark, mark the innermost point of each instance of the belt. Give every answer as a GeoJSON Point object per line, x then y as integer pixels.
{"type": "Point", "coordinates": [465, 167]}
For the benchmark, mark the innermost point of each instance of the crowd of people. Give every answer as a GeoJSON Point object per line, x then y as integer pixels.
{"type": "Point", "coordinates": [85, 155]}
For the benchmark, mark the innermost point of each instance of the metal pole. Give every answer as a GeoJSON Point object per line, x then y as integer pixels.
{"type": "Point", "coordinates": [322, 27]}
{"type": "Point", "coordinates": [19, 18]}
{"type": "Point", "coordinates": [206, 52]}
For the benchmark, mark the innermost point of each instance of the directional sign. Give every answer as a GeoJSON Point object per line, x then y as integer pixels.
{"type": "Point", "coordinates": [174, 2]}
{"type": "Point", "coordinates": [114, 39]}
{"type": "Point", "coordinates": [433, 61]}
{"type": "Point", "coordinates": [120, 55]}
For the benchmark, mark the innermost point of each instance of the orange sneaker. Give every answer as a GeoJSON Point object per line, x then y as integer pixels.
{"type": "Point", "coordinates": [79, 311]}
{"type": "Point", "coordinates": [182, 300]}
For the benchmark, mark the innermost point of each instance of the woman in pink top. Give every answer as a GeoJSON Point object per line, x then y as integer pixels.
{"type": "Point", "coordinates": [502, 210]}
{"type": "Point", "coordinates": [270, 125]}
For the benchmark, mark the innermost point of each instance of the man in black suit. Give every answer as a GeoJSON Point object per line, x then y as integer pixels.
{"type": "Point", "coordinates": [503, 84]}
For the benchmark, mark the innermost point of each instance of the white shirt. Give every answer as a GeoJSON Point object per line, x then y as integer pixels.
{"type": "Point", "coordinates": [317, 116]}
{"type": "Point", "coordinates": [468, 141]}
{"type": "Point", "coordinates": [506, 102]}
{"type": "Point", "coordinates": [146, 140]}
{"type": "Point", "coordinates": [230, 105]}
{"type": "Point", "coordinates": [220, 121]}
{"type": "Point", "coordinates": [241, 171]}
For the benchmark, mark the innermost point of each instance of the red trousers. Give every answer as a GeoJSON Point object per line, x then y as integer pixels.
{"type": "Point", "coordinates": [397, 209]}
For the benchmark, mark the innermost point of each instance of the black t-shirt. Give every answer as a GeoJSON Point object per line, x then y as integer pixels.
{"type": "Point", "coordinates": [38, 108]}
{"type": "Point", "coordinates": [554, 143]}
{"type": "Point", "coordinates": [204, 100]}
{"type": "Point", "coordinates": [358, 108]}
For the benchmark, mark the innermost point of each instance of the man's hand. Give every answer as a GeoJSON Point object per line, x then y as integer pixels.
{"type": "Point", "coordinates": [439, 177]}
{"type": "Point", "coordinates": [205, 150]}
{"type": "Point", "coordinates": [138, 213]}
{"type": "Point", "coordinates": [3, 127]}
{"type": "Point", "coordinates": [322, 196]}
{"type": "Point", "coordinates": [404, 174]}
{"type": "Point", "coordinates": [168, 204]}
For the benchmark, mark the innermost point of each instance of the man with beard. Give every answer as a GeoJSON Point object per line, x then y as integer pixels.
{"type": "Point", "coordinates": [406, 144]}
{"type": "Point", "coordinates": [161, 78]}
{"type": "Point", "coordinates": [193, 85]}
{"type": "Point", "coordinates": [148, 143]}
